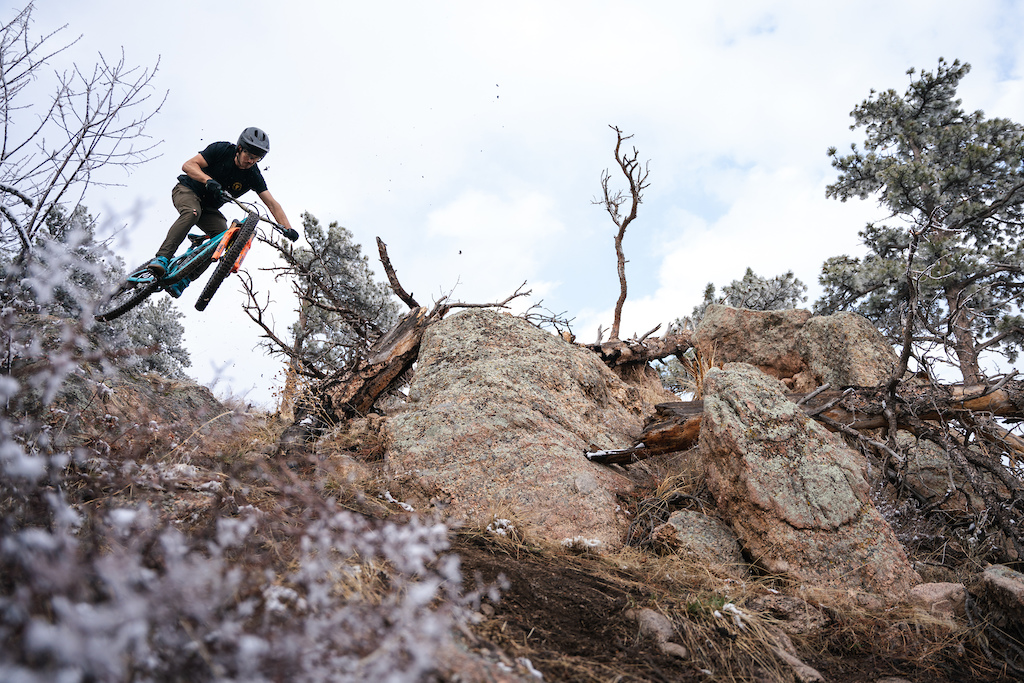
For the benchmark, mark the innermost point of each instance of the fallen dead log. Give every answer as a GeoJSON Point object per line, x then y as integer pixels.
{"type": "Point", "coordinates": [618, 352]}
{"type": "Point", "coordinates": [676, 425]}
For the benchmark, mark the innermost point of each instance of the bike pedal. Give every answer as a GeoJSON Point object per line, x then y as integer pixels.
{"type": "Point", "coordinates": [178, 287]}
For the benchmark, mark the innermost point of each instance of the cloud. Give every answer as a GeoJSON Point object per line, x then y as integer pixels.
{"type": "Point", "coordinates": [779, 220]}
{"type": "Point", "coordinates": [484, 245]}
{"type": "Point", "coordinates": [482, 127]}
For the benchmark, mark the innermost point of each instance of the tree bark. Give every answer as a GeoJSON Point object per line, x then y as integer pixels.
{"type": "Point", "coordinates": [615, 352]}
{"type": "Point", "coordinates": [354, 391]}
{"type": "Point", "coordinates": [964, 344]}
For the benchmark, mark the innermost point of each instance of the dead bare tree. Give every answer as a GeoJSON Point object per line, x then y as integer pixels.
{"type": "Point", "coordinates": [54, 144]}
{"type": "Point", "coordinates": [613, 201]}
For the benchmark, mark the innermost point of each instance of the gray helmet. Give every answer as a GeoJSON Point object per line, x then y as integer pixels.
{"type": "Point", "coordinates": [254, 141]}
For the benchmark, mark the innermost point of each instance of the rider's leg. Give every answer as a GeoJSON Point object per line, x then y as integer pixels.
{"type": "Point", "coordinates": [213, 223]}
{"type": "Point", "coordinates": [190, 212]}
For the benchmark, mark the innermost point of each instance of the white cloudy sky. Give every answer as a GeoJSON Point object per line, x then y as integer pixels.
{"type": "Point", "coordinates": [471, 135]}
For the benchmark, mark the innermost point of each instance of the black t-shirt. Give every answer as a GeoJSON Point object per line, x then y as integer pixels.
{"type": "Point", "coordinates": [220, 159]}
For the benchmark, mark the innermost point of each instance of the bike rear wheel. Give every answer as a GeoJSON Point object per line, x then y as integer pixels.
{"type": "Point", "coordinates": [227, 260]}
{"type": "Point", "coordinates": [132, 292]}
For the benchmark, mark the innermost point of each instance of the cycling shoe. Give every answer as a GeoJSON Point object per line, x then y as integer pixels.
{"type": "Point", "coordinates": [158, 266]}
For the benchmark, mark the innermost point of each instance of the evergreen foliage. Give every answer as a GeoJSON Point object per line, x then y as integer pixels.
{"type": "Point", "coordinates": [756, 293]}
{"type": "Point", "coordinates": [65, 274]}
{"type": "Point", "coordinates": [952, 184]}
{"type": "Point", "coordinates": [342, 309]}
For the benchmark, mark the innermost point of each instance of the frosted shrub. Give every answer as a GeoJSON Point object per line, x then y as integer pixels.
{"type": "Point", "coordinates": [95, 586]}
{"type": "Point", "coordinates": [158, 605]}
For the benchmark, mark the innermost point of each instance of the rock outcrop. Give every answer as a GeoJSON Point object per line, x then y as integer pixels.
{"type": "Point", "coordinates": [768, 340]}
{"type": "Point", "coordinates": [1000, 594]}
{"type": "Point", "coordinates": [946, 600]}
{"type": "Point", "coordinates": [845, 349]}
{"type": "Point", "coordinates": [796, 497]}
{"type": "Point", "coordinates": [702, 540]}
{"type": "Point", "coordinates": [499, 416]}
{"type": "Point", "coordinates": [804, 351]}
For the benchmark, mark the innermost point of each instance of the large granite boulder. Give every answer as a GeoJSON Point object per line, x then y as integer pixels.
{"type": "Point", "coordinates": [795, 495]}
{"type": "Point", "coordinates": [845, 349]}
{"type": "Point", "coordinates": [804, 351]}
{"type": "Point", "coordinates": [768, 340]}
{"type": "Point", "coordinates": [499, 417]}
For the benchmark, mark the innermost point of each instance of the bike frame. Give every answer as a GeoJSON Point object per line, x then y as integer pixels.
{"type": "Point", "coordinates": [203, 246]}
{"type": "Point", "coordinates": [209, 247]}
{"type": "Point", "coordinates": [204, 250]}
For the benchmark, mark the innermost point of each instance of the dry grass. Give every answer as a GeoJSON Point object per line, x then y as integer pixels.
{"type": "Point", "coordinates": [678, 484]}
{"type": "Point", "coordinates": [696, 363]}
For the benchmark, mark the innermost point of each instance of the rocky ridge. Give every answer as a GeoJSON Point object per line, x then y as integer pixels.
{"type": "Point", "coordinates": [771, 532]}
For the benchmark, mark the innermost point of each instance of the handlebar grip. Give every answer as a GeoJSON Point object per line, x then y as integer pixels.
{"type": "Point", "coordinates": [291, 234]}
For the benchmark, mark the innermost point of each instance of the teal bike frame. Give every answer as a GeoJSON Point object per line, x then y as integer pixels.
{"type": "Point", "coordinates": [227, 248]}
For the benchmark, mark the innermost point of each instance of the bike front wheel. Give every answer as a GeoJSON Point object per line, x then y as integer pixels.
{"type": "Point", "coordinates": [132, 292]}
{"type": "Point", "coordinates": [227, 260]}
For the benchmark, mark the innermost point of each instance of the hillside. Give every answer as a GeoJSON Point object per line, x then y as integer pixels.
{"type": "Point", "coordinates": [460, 532]}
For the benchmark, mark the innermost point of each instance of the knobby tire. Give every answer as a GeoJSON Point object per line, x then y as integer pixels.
{"type": "Point", "coordinates": [126, 297]}
{"type": "Point", "coordinates": [227, 261]}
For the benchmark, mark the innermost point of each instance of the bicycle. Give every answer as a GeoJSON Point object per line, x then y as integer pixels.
{"type": "Point", "coordinates": [227, 248]}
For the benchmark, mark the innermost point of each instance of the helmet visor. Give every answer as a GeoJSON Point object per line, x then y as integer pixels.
{"type": "Point", "coordinates": [253, 150]}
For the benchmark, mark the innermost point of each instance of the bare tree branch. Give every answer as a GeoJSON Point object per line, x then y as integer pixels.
{"type": "Point", "coordinates": [396, 286]}
{"type": "Point", "coordinates": [53, 148]}
{"type": "Point", "coordinates": [636, 176]}
{"type": "Point", "coordinates": [257, 312]}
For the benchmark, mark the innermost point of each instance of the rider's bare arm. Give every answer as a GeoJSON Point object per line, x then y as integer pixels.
{"type": "Point", "coordinates": [193, 168]}
{"type": "Point", "coordinates": [275, 208]}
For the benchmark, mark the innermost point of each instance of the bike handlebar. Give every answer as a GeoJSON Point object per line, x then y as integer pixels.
{"type": "Point", "coordinates": [251, 208]}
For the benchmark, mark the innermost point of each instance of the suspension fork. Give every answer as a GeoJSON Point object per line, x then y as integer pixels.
{"type": "Point", "coordinates": [226, 240]}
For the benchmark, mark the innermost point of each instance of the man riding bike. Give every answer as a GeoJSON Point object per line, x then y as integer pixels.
{"type": "Point", "coordinates": [221, 167]}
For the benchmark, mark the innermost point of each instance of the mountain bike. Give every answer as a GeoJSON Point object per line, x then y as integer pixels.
{"type": "Point", "coordinates": [228, 249]}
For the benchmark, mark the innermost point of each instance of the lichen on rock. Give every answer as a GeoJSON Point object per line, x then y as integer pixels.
{"type": "Point", "coordinates": [795, 495]}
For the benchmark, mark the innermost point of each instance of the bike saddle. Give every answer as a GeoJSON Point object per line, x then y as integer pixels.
{"type": "Point", "coordinates": [196, 239]}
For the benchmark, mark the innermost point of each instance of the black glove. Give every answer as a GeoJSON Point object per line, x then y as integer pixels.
{"type": "Point", "coordinates": [213, 188]}
{"type": "Point", "coordinates": [291, 234]}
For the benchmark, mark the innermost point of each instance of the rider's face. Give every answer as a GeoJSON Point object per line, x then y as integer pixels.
{"type": "Point", "coordinates": [245, 160]}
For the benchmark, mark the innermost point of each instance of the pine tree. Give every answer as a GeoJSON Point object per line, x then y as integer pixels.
{"type": "Point", "coordinates": [342, 309]}
{"type": "Point", "coordinates": [755, 293]}
{"type": "Point", "coordinates": [945, 270]}
{"type": "Point", "coordinates": [69, 269]}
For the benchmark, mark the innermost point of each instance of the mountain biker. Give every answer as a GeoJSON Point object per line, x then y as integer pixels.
{"type": "Point", "coordinates": [221, 167]}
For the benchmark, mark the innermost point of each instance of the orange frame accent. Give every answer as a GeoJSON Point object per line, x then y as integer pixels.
{"type": "Point", "coordinates": [224, 240]}
{"type": "Point", "coordinates": [241, 255]}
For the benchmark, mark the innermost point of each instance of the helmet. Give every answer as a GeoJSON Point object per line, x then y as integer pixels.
{"type": "Point", "coordinates": [254, 141]}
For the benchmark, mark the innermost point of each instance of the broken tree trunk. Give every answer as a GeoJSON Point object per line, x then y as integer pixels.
{"type": "Point", "coordinates": [676, 425]}
{"type": "Point", "coordinates": [354, 390]}
{"type": "Point", "coordinates": [614, 352]}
